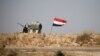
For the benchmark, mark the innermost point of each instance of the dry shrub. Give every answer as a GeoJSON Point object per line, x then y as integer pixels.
{"type": "Point", "coordinates": [56, 40]}
{"type": "Point", "coordinates": [2, 47]}
{"type": "Point", "coordinates": [84, 38]}
{"type": "Point", "coordinates": [38, 40]}
{"type": "Point", "coordinates": [98, 40]}
{"type": "Point", "coordinates": [30, 40]}
{"type": "Point", "coordinates": [48, 40]}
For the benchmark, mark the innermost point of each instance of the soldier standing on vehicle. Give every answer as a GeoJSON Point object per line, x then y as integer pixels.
{"type": "Point", "coordinates": [25, 29]}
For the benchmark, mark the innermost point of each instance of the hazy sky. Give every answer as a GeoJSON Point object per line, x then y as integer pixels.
{"type": "Point", "coordinates": [80, 14]}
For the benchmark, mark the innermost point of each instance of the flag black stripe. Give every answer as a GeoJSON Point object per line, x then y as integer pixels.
{"type": "Point", "coordinates": [56, 25]}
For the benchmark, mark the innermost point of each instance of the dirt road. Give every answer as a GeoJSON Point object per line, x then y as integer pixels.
{"type": "Point", "coordinates": [93, 49]}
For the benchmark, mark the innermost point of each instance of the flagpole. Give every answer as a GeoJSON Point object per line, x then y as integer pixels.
{"type": "Point", "coordinates": [51, 30]}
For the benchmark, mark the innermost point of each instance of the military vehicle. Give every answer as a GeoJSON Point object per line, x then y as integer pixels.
{"type": "Point", "coordinates": [33, 27]}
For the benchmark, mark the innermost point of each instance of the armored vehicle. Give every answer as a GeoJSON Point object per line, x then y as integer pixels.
{"type": "Point", "coordinates": [33, 27]}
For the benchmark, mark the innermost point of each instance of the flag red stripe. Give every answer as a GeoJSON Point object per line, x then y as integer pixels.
{"type": "Point", "coordinates": [60, 20]}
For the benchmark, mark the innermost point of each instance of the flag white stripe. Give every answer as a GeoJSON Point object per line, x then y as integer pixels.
{"type": "Point", "coordinates": [60, 23]}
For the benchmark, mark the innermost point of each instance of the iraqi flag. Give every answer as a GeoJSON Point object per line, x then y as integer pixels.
{"type": "Point", "coordinates": [59, 22]}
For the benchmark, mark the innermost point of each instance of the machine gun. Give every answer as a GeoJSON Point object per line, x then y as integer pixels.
{"type": "Point", "coordinates": [21, 25]}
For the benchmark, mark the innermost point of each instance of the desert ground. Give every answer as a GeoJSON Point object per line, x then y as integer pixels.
{"type": "Point", "coordinates": [57, 42]}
